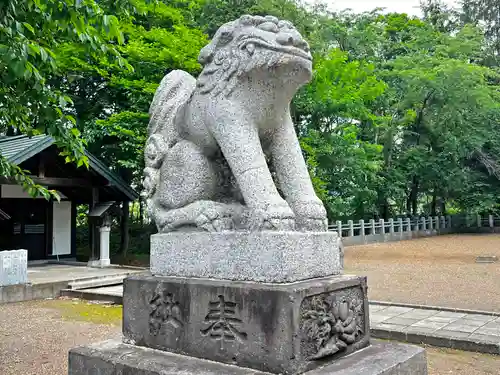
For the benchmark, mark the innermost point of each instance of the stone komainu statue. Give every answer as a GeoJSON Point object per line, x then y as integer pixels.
{"type": "Point", "coordinates": [217, 145]}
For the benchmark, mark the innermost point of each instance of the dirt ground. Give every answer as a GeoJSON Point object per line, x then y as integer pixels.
{"type": "Point", "coordinates": [35, 338]}
{"type": "Point", "coordinates": [453, 362]}
{"type": "Point", "coordinates": [439, 271]}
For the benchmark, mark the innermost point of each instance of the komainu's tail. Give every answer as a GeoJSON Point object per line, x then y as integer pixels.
{"type": "Point", "coordinates": [174, 92]}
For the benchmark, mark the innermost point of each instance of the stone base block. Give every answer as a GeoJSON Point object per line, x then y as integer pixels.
{"type": "Point", "coordinates": [276, 257]}
{"type": "Point", "coordinates": [278, 328]}
{"type": "Point", "coordinates": [114, 357]}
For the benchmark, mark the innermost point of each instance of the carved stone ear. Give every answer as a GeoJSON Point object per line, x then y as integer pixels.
{"type": "Point", "coordinates": [206, 54]}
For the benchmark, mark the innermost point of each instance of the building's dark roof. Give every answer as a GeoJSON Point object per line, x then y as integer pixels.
{"type": "Point", "coordinates": [17, 149]}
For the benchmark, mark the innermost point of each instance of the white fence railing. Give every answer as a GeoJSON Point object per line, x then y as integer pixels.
{"type": "Point", "coordinates": [363, 231]}
{"type": "Point", "coordinates": [368, 231]}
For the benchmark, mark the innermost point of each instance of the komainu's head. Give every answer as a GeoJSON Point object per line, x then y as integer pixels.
{"type": "Point", "coordinates": [253, 43]}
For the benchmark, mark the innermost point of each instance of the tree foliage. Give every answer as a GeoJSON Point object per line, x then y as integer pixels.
{"type": "Point", "coordinates": [401, 117]}
{"type": "Point", "coordinates": [30, 32]}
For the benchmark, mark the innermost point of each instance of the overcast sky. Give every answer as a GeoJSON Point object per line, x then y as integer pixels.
{"type": "Point", "coordinates": [402, 6]}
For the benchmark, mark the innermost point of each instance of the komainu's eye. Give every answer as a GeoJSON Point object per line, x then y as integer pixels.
{"type": "Point", "coordinates": [225, 36]}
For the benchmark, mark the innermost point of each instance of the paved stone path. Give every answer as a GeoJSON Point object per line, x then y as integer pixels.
{"type": "Point", "coordinates": [474, 332]}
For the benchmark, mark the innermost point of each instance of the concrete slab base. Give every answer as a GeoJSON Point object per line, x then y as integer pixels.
{"type": "Point", "coordinates": [114, 357]}
{"type": "Point", "coordinates": [28, 292]}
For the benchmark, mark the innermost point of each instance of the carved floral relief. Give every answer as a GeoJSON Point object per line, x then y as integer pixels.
{"type": "Point", "coordinates": [331, 322]}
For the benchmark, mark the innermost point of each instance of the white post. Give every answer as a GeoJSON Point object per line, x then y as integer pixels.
{"type": "Point", "coordinates": [362, 230]}
{"type": "Point", "coordinates": [431, 223]}
{"type": "Point", "coordinates": [339, 228]}
{"type": "Point", "coordinates": [424, 224]}
{"type": "Point", "coordinates": [382, 226]}
{"type": "Point", "coordinates": [408, 227]}
{"type": "Point", "coordinates": [443, 222]}
{"type": "Point", "coordinates": [401, 229]}
{"type": "Point", "coordinates": [449, 221]}
{"type": "Point", "coordinates": [104, 232]}
{"type": "Point", "coordinates": [478, 221]}
{"type": "Point", "coordinates": [436, 223]}
{"type": "Point", "coordinates": [103, 260]}
{"type": "Point", "coordinates": [351, 228]}
{"type": "Point", "coordinates": [491, 221]}
{"type": "Point", "coordinates": [372, 226]}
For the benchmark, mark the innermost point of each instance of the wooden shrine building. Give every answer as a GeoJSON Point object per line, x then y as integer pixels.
{"type": "Point", "coordinates": [47, 229]}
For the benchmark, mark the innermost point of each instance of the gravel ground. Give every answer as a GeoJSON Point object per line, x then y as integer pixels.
{"type": "Point", "coordinates": [439, 271]}
{"type": "Point", "coordinates": [36, 337]}
{"type": "Point", "coordinates": [453, 362]}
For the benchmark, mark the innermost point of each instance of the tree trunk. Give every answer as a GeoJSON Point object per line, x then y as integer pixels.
{"type": "Point", "coordinates": [124, 229]}
{"type": "Point", "coordinates": [384, 208]}
{"type": "Point", "coordinates": [141, 212]}
{"type": "Point", "coordinates": [443, 207]}
{"type": "Point", "coordinates": [434, 204]}
{"type": "Point", "coordinates": [408, 203]}
{"type": "Point", "coordinates": [417, 129]}
{"type": "Point", "coordinates": [414, 195]}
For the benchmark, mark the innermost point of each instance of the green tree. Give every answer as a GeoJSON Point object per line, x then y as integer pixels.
{"type": "Point", "coordinates": [30, 31]}
{"type": "Point", "coordinates": [485, 14]}
{"type": "Point", "coordinates": [328, 113]}
{"type": "Point", "coordinates": [111, 103]}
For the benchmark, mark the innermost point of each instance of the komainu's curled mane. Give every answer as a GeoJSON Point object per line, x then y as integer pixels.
{"type": "Point", "coordinates": [239, 47]}
{"type": "Point", "coordinates": [206, 165]}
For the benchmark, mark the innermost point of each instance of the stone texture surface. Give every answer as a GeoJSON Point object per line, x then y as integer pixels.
{"type": "Point", "coordinates": [279, 328]}
{"type": "Point", "coordinates": [255, 256]}
{"type": "Point", "coordinates": [114, 358]}
{"type": "Point", "coordinates": [13, 267]}
{"type": "Point", "coordinates": [210, 140]}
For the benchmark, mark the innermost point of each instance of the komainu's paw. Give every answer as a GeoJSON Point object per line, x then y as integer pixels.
{"type": "Point", "coordinates": [277, 217]}
{"type": "Point", "coordinates": [215, 221]}
{"type": "Point", "coordinates": [165, 222]}
{"type": "Point", "coordinates": [311, 225]}
{"type": "Point", "coordinates": [310, 216]}
{"type": "Point", "coordinates": [201, 215]}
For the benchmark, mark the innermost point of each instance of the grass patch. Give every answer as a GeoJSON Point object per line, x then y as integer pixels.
{"type": "Point", "coordinates": [87, 312]}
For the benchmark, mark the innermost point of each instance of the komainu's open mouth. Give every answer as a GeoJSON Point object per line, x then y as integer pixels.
{"type": "Point", "coordinates": [250, 43]}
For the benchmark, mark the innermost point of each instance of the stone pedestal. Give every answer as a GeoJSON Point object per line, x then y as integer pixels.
{"type": "Point", "coordinates": [198, 325]}
{"type": "Point", "coordinates": [278, 328]}
{"type": "Point", "coordinates": [276, 257]}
